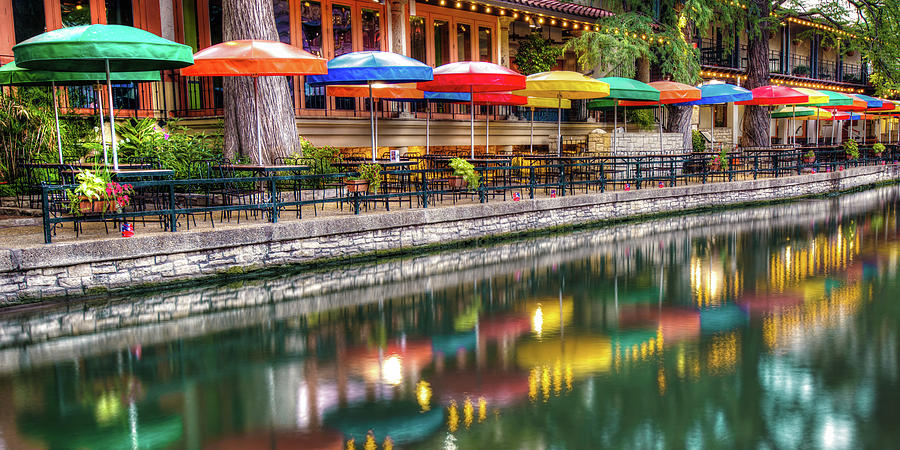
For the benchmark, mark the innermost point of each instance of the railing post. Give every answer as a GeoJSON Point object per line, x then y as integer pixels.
{"type": "Point", "coordinates": [424, 190]}
{"type": "Point", "coordinates": [172, 225]}
{"type": "Point", "coordinates": [482, 198]}
{"type": "Point", "coordinates": [274, 197]}
{"type": "Point", "coordinates": [755, 166]}
{"type": "Point", "coordinates": [531, 182]}
{"type": "Point", "coordinates": [602, 178]}
{"type": "Point", "coordinates": [638, 175]}
{"type": "Point", "coordinates": [562, 180]}
{"type": "Point", "coordinates": [45, 203]}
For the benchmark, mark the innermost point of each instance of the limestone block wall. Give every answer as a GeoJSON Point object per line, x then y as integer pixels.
{"type": "Point", "coordinates": [76, 268]}
{"type": "Point", "coordinates": [599, 142]}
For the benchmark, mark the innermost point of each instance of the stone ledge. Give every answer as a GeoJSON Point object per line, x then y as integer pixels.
{"type": "Point", "coordinates": [103, 250]}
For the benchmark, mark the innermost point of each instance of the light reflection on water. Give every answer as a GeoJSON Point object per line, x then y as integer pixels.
{"type": "Point", "coordinates": [749, 336]}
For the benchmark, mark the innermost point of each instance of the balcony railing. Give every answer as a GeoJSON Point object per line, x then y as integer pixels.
{"type": "Point", "coordinates": [716, 54]}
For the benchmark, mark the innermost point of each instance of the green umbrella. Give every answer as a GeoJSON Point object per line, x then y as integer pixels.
{"type": "Point", "coordinates": [102, 48]}
{"type": "Point", "coordinates": [12, 75]}
{"type": "Point", "coordinates": [403, 422]}
{"type": "Point", "coordinates": [624, 89]}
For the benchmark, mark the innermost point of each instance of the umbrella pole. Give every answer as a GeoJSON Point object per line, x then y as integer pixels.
{"type": "Point", "coordinates": [793, 130]}
{"type": "Point", "coordinates": [659, 127]}
{"type": "Point", "coordinates": [112, 121]}
{"type": "Point", "coordinates": [615, 124]}
{"type": "Point", "coordinates": [258, 127]}
{"type": "Point", "coordinates": [56, 116]}
{"type": "Point", "coordinates": [472, 121]}
{"type": "Point", "coordinates": [102, 125]}
{"type": "Point", "coordinates": [712, 124]}
{"type": "Point", "coordinates": [558, 124]}
{"type": "Point", "coordinates": [372, 122]}
{"type": "Point", "coordinates": [531, 135]}
{"type": "Point", "coordinates": [427, 126]}
{"type": "Point", "coordinates": [487, 131]}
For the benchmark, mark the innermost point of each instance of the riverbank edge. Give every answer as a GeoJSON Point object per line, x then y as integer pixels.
{"type": "Point", "coordinates": [99, 267]}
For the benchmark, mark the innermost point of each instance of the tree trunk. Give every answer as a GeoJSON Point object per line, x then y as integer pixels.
{"type": "Point", "coordinates": [642, 69]}
{"type": "Point", "coordinates": [251, 19]}
{"type": "Point", "coordinates": [680, 122]}
{"type": "Point", "coordinates": [756, 118]}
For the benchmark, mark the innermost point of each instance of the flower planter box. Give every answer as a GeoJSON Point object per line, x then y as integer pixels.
{"type": "Point", "coordinates": [357, 185]}
{"type": "Point", "coordinates": [88, 206]}
{"type": "Point", "coordinates": [457, 182]}
{"type": "Point", "coordinates": [809, 159]}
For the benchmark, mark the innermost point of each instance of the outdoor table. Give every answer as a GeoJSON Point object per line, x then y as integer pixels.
{"type": "Point", "coordinates": [126, 174]}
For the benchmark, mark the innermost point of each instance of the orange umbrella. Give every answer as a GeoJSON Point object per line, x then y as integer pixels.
{"type": "Point", "coordinates": [254, 58]}
{"type": "Point", "coordinates": [405, 91]}
{"type": "Point", "coordinates": [669, 92]}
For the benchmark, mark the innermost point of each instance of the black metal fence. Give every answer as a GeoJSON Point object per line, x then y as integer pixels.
{"type": "Point", "coordinates": [176, 204]}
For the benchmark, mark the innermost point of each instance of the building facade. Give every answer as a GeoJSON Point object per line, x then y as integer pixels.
{"type": "Point", "coordinates": [433, 31]}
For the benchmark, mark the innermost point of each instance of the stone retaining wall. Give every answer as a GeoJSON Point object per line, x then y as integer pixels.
{"type": "Point", "coordinates": [77, 268]}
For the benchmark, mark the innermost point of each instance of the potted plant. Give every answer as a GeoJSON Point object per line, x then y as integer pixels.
{"type": "Point", "coordinates": [720, 162]}
{"type": "Point", "coordinates": [801, 71]}
{"type": "Point", "coordinates": [878, 149]}
{"type": "Point", "coordinates": [463, 174]}
{"type": "Point", "coordinates": [96, 193]}
{"type": "Point", "coordinates": [369, 177]}
{"type": "Point", "coordinates": [809, 157]}
{"type": "Point", "coordinates": [851, 148]}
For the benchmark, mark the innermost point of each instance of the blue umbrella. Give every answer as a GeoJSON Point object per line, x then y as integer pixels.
{"type": "Point", "coordinates": [722, 318]}
{"type": "Point", "coordinates": [435, 97]}
{"type": "Point", "coordinates": [715, 93]}
{"type": "Point", "coordinates": [370, 67]}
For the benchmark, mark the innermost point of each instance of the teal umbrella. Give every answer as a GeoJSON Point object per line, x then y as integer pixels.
{"type": "Point", "coordinates": [403, 422]}
{"type": "Point", "coordinates": [102, 48]}
{"type": "Point", "coordinates": [12, 75]}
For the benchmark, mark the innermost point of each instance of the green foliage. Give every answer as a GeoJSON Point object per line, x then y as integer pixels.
{"type": "Point", "coordinates": [722, 159]}
{"type": "Point", "coordinates": [466, 170]}
{"type": "Point", "coordinates": [536, 55]}
{"type": "Point", "coordinates": [697, 141]}
{"type": "Point", "coordinates": [643, 119]}
{"type": "Point", "coordinates": [91, 185]}
{"type": "Point", "coordinates": [371, 173]}
{"type": "Point", "coordinates": [175, 149]}
{"type": "Point", "coordinates": [851, 148]}
{"type": "Point", "coordinates": [321, 161]}
{"type": "Point", "coordinates": [810, 154]}
{"type": "Point", "coordinates": [878, 148]}
{"type": "Point", "coordinates": [98, 187]}
{"type": "Point", "coordinates": [27, 129]}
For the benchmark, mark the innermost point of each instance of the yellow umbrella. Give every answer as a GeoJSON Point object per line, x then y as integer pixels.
{"type": "Point", "coordinates": [562, 84]}
{"type": "Point", "coordinates": [582, 355]}
{"type": "Point", "coordinates": [543, 102]}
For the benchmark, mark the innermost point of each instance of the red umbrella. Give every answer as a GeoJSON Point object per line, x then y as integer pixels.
{"type": "Point", "coordinates": [254, 58]}
{"type": "Point", "coordinates": [472, 77]}
{"type": "Point", "coordinates": [506, 325]}
{"type": "Point", "coordinates": [310, 440]}
{"type": "Point", "coordinates": [776, 95]}
{"type": "Point", "coordinates": [498, 388]}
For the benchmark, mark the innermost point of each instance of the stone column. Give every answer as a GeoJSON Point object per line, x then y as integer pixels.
{"type": "Point", "coordinates": [398, 26]}
{"type": "Point", "coordinates": [503, 38]}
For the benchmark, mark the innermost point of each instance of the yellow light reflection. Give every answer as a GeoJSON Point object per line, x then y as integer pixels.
{"type": "Point", "coordinates": [423, 395]}
{"type": "Point", "coordinates": [392, 370]}
{"type": "Point", "coordinates": [452, 417]}
{"type": "Point", "coordinates": [537, 323]}
{"type": "Point", "coordinates": [468, 412]}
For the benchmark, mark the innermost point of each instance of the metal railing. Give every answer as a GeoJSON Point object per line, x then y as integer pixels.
{"type": "Point", "coordinates": [179, 203]}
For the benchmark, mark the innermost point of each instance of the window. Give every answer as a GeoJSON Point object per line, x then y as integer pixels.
{"type": "Point", "coordinates": [417, 48]}
{"type": "Point", "coordinates": [311, 25]}
{"type": "Point", "coordinates": [441, 42]}
{"type": "Point", "coordinates": [215, 22]}
{"type": "Point", "coordinates": [485, 47]}
{"type": "Point", "coordinates": [119, 12]}
{"type": "Point", "coordinates": [75, 12]}
{"type": "Point", "coordinates": [189, 16]}
{"type": "Point", "coordinates": [463, 42]}
{"type": "Point", "coordinates": [341, 29]}
{"type": "Point", "coordinates": [282, 11]}
{"type": "Point", "coordinates": [28, 18]}
{"type": "Point", "coordinates": [371, 30]}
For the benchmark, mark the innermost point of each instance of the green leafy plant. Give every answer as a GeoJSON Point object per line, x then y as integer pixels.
{"type": "Point", "coordinates": [466, 170]}
{"type": "Point", "coordinates": [321, 161]}
{"type": "Point", "coordinates": [91, 185]}
{"type": "Point", "coordinates": [97, 187]}
{"type": "Point", "coordinates": [643, 119]}
{"type": "Point", "coordinates": [697, 141]}
{"type": "Point", "coordinates": [810, 155]}
{"type": "Point", "coordinates": [536, 54]}
{"type": "Point", "coordinates": [878, 148]}
{"type": "Point", "coordinates": [371, 173]}
{"type": "Point", "coordinates": [852, 149]}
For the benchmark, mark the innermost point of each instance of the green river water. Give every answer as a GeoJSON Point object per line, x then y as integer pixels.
{"type": "Point", "coordinates": [770, 327]}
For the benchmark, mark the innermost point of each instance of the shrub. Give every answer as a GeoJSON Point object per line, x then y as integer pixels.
{"type": "Point", "coordinates": [698, 142]}
{"type": "Point", "coordinates": [878, 148]}
{"type": "Point", "coordinates": [643, 119]}
{"type": "Point", "coordinates": [466, 170]}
